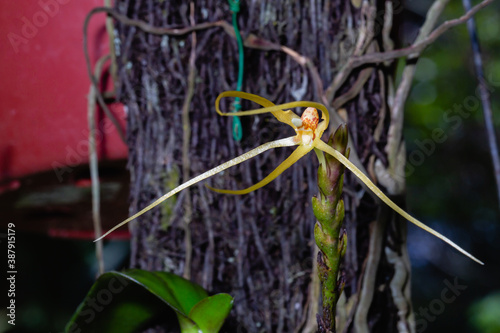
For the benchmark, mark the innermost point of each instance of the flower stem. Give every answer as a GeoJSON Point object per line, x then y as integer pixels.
{"type": "Point", "coordinates": [328, 208]}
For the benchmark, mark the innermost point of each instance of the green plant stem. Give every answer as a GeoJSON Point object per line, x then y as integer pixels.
{"type": "Point", "coordinates": [328, 208]}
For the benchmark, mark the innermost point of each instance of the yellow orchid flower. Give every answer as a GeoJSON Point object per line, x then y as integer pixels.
{"type": "Point", "coordinates": [308, 131]}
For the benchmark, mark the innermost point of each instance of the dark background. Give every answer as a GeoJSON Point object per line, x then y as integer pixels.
{"type": "Point", "coordinates": [452, 189]}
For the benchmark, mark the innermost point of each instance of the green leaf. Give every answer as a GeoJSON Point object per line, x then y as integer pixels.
{"type": "Point", "coordinates": [135, 300]}
{"type": "Point", "coordinates": [211, 312]}
{"type": "Point", "coordinates": [116, 303]}
{"type": "Point", "coordinates": [176, 291]}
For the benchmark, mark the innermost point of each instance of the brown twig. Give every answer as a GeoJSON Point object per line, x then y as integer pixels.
{"type": "Point", "coordinates": [393, 145]}
{"type": "Point", "coordinates": [185, 146]}
{"type": "Point", "coordinates": [485, 99]}
{"type": "Point", "coordinates": [93, 164]}
{"type": "Point", "coordinates": [416, 48]}
{"type": "Point", "coordinates": [151, 28]}
{"type": "Point", "coordinates": [370, 270]}
{"type": "Point", "coordinates": [143, 26]}
{"type": "Point", "coordinates": [99, 96]}
{"type": "Point", "coordinates": [110, 29]}
{"type": "Point", "coordinates": [356, 87]}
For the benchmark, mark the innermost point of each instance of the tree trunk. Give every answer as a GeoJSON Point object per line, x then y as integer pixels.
{"type": "Point", "coordinates": [259, 247]}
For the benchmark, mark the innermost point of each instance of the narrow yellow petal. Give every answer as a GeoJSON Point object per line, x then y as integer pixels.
{"type": "Point", "coordinates": [283, 116]}
{"type": "Point", "coordinates": [268, 106]}
{"type": "Point", "coordinates": [342, 159]}
{"type": "Point", "coordinates": [287, 142]}
{"type": "Point", "coordinates": [294, 157]}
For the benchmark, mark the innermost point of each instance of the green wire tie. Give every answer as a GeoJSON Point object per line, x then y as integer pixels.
{"type": "Point", "coordinates": [234, 6]}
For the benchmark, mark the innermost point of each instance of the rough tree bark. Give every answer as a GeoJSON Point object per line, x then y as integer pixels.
{"type": "Point", "coordinates": [259, 247]}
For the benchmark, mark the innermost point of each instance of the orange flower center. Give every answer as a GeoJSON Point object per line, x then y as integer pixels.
{"type": "Point", "coordinates": [308, 124]}
{"type": "Point", "coordinates": [310, 118]}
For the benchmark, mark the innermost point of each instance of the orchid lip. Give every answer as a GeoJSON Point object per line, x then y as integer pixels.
{"type": "Point", "coordinates": [297, 122]}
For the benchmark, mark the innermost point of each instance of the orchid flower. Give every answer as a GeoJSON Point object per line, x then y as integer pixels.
{"type": "Point", "coordinates": [308, 131]}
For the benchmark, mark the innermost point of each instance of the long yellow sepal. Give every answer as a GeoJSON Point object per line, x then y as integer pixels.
{"type": "Point", "coordinates": [287, 142]}
{"type": "Point", "coordinates": [294, 157]}
{"type": "Point", "coordinates": [342, 159]}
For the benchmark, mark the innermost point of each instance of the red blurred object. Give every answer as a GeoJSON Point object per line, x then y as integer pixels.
{"type": "Point", "coordinates": [10, 186]}
{"type": "Point", "coordinates": [43, 100]}
{"type": "Point", "coordinates": [83, 183]}
{"type": "Point", "coordinates": [43, 120]}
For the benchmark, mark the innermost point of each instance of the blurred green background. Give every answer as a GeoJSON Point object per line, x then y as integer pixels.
{"type": "Point", "coordinates": [453, 188]}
